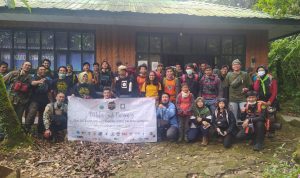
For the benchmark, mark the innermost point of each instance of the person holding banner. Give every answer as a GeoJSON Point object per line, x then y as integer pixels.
{"type": "Point", "coordinates": [107, 93]}
{"type": "Point", "coordinates": [55, 117]}
{"type": "Point", "coordinates": [166, 119]}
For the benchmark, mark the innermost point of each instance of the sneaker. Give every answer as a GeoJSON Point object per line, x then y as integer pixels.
{"type": "Point", "coordinates": [258, 147]}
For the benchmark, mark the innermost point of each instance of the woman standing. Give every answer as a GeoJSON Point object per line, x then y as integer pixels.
{"type": "Point", "coordinates": [151, 87]}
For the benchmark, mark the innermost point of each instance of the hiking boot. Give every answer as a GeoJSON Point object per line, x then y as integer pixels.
{"type": "Point", "coordinates": [204, 141]}
{"type": "Point", "coordinates": [270, 135]}
{"type": "Point", "coordinates": [2, 136]}
{"type": "Point", "coordinates": [258, 147]}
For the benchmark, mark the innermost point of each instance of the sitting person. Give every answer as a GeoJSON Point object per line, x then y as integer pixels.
{"type": "Point", "coordinates": [184, 102]}
{"type": "Point", "coordinates": [55, 117]}
{"type": "Point", "coordinates": [166, 119]}
{"type": "Point", "coordinates": [253, 117]}
{"type": "Point", "coordinates": [107, 93]}
{"type": "Point", "coordinates": [224, 122]}
{"type": "Point", "coordinates": [83, 89]}
{"type": "Point", "coordinates": [200, 122]}
{"type": "Point", "coordinates": [266, 87]}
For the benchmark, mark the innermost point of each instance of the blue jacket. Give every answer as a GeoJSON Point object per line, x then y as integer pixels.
{"type": "Point", "coordinates": [168, 113]}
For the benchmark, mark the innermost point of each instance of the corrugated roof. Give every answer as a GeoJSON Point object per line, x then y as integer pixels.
{"type": "Point", "coordinates": [194, 8]}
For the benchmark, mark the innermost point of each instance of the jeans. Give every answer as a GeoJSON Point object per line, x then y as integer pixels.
{"type": "Point", "coordinates": [194, 133]}
{"type": "Point", "coordinates": [236, 107]}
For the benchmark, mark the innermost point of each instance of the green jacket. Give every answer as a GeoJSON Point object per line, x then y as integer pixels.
{"type": "Point", "coordinates": [18, 97]}
{"type": "Point", "coordinates": [236, 83]}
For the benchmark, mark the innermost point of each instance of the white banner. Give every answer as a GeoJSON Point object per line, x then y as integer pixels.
{"type": "Point", "coordinates": [122, 120]}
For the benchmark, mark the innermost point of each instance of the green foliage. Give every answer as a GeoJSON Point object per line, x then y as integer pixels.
{"type": "Point", "coordinates": [9, 120]}
{"type": "Point", "coordinates": [279, 8]}
{"type": "Point", "coordinates": [237, 3]}
{"type": "Point", "coordinates": [283, 169]}
{"type": "Point", "coordinates": [12, 4]}
{"type": "Point", "coordinates": [284, 57]}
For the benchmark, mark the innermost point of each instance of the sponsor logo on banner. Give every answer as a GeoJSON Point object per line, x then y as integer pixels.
{"type": "Point", "coordinates": [117, 120]}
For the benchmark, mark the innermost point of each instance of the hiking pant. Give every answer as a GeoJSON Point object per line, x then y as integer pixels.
{"type": "Point", "coordinates": [19, 109]}
{"type": "Point", "coordinates": [211, 104]}
{"type": "Point", "coordinates": [183, 126]}
{"type": "Point", "coordinates": [258, 135]}
{"type": "Point", "coordinates": [33, 108]}
{"type": "Point", "coordinates": [227, 139]}
{"type": "Point", "coordinates": [170, 133]}
{"type": "Point", "coordinates": [194, 133]}
{"type": "Point", "coordinates": [236, 107]}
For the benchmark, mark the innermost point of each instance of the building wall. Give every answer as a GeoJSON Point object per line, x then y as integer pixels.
{"type": "Point", "coordinates": [257, 48]}
{"type": "Point", "coordinates": [118, 43]}
{"type": "Point", "coordinates": [115, 43]}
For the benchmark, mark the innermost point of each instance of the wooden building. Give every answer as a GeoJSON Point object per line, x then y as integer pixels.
{"type": "Point", "coordinates": [137, 31]}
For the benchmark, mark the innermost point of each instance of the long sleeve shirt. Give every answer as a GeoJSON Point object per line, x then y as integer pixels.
{"type": "Point", "coordinates": [168, 113]}
{"type": "Point", "coordinates": [49, 111]}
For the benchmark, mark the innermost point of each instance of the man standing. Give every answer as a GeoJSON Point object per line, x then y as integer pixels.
{"type": "Point", "coordinates": [125, 85]}
{"type": "Point", "coordinates": [171, 84]}
{"type": "Point", "coordinates": [192, 79]}
{"type": "Point", "coordinates": [239, 83]}
{"type": "Point", "coordinates": [3, 68]}
{"type": "Point", "coordinates": [19, 83]}
{"type": "Point", "coordinates": [223, 73]}
{"type": "Point", "coordinates": [141, 77]}
{"type": "Point", "coordinates": [210, 88]}
{"type": "Point", "coordinates": [38, 100]}
{"type": "Point", "coordinates": [61, 84]}
{"type": "Point", "coordinates": [47, 64]}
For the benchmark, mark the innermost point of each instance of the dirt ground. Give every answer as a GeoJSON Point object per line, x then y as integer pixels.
{"type": "Point", "coordinates": [165, 159]}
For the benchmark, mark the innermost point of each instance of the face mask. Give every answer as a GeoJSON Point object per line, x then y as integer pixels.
{"type": "Point", "coordinates": [62, 76]}
{"type": "Point", "coordinates": [189, 72]}
{"type": "Point", "coordinates": [261, 73]}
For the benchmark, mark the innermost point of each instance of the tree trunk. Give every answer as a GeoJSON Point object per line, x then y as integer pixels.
{"type": "Point", "coordinates": [10, 123]}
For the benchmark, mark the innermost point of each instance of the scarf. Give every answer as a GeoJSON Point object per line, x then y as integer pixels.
{"type": "Point", "coordinates": [185, 95]}
{"type": "Point", "coordinates": [262, 83]}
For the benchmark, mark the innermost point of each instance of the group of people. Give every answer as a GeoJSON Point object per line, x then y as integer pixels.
{"type": "Point", "coordinates": [192, 102]}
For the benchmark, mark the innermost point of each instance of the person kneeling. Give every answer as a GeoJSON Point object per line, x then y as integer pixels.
{"type": "Point", "coordinates": [55, 118]}
{"type": "Point", "coordinates": [200, 122]}
{"type": "Point", "coordinates": [224, 123]}
{"type": "Point", "coordinates": [166, 119]}
{"type": "Point", "coordinates": [253, 116]}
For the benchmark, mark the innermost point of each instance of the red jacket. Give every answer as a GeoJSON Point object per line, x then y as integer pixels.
{"type": "Point", "coordinates": [272, 88]}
